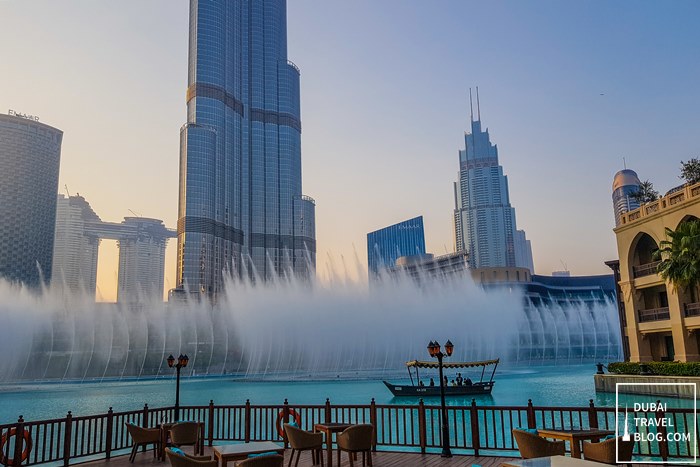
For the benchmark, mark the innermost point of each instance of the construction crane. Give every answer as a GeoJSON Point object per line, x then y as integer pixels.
{"type": "Point", "coordinates": [135, 213]}
{"type": "Point", "coordinates": [67, 192]}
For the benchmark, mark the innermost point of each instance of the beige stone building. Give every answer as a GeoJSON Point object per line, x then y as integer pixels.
{"type": "Point", "coordinates": [660, 321]}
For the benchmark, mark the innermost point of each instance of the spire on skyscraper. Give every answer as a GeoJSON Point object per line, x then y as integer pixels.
{"type": "Point", "coordinates": [484, 219]}
{"type": "Point", "coordinates": [478, 107]}
{"type": "Point", "coordinates": [471, 106]}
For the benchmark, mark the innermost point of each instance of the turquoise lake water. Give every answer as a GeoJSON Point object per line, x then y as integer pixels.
{"type": "Point", "coordinates": [570, 385]}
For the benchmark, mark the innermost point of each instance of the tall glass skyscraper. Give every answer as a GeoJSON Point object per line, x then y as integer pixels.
{"type": "Point", "coordinates": [484, 219]}
{"type": "Point", "coordinates": [30, 153]}
{"type": "Point", "coordinates": [241, 208]}
{"type": "Point", "coordinates": [385, 246]}
{"type": "Point", "coordinates": [625, 183]}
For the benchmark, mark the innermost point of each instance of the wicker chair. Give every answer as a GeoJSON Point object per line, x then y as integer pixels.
{"type": "Point", "coordinates": [605, 451]}
{"type": "Point", "coordinates": [300, 440]}
{"type": "Point", "coordinates": [185, 460]}
{"type": "Point", "coordinates": [185, 434]}
{"type": "Point", "coordinates": [357, 438]}
{"type": "Point", "coordinates": [531, 445]}
{"type": "Point", "coordinates": [262, 461]}
{"type": "Point", "coordinates": [143, 437]}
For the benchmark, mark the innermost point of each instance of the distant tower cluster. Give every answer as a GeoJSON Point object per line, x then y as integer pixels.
{"type": "Point", "coordinates": [385, 246]}
{"type": "Point", "coordinates": [484, 220]}
{"type": "Point", "coordinates": [29, 161]}
{"type": "Point", "coordinates": [141, 242]}
{"type": "Point", "coordinates": [75, 250]}
{"type": "Point", "coordinates": [141, 259]}
{"type": "Point", "coordinates": [625, 184]}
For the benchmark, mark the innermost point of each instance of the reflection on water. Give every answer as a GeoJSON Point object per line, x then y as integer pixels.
{"type": "Point", "coordinates": [545, 385]}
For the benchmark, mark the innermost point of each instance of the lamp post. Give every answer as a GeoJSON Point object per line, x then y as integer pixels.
{"type": "Point", "coordinates": [181, 363]}
{"type": "Point", "coordinates": [434, 351]}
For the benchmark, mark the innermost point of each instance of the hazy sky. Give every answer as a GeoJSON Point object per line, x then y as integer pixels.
{"type": "Point", "coordinates": [567, 89]}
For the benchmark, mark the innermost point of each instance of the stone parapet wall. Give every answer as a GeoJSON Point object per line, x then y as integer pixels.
{"type": "Point", "coordinates": [654, 385]}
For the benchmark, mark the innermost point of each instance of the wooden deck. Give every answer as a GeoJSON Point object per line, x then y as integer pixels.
{"type": "Point", "coordinates": [380, 459]}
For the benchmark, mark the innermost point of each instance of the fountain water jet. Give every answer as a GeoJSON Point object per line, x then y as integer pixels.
{"type": "Point", "coordinates": [287, 328]}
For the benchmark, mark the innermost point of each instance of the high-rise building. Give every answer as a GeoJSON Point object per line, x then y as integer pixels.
{"type": "Point", "coordinates": [29, 161]}
{"type": "Point", "coordinates": [241, 208]}
{"type": "Point", "coordinates": [141, 242]}
{"type": "Point", "coordinates": [523, 251]}
{"type": "Point", "coordinates": [141, 259]}
{"type": "Point", "coordinates": [484, 219]}
{"type": "Point", "coordinates": [385, 246]}
{"type": "Point", "coordinates": [75, 248]}
{"type": "Point", "coordinates": [625, 184]}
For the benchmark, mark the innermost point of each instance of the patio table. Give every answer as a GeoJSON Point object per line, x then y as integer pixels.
{"type": "Point", "coordinates": [329, 429]}
{"type": "Point", "coordinates": [574, 437]}
{"type": "Point", "coordinates": [230, 452]}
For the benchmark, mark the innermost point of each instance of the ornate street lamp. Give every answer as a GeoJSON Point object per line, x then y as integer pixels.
{"type": "Point", "coordinates": [434, 351]}
{"type": "Point", "coordinates": [181, 363]}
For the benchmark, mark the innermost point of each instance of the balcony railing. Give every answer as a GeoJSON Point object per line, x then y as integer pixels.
{"type": "Point", "coordinates": [653, 314]}
{"type": "Point", "coordinates": [684, 194]}
{"type": "Point", "coordinates": [692, 309]}
{"type": "Point", "coordinates": [645, 269]}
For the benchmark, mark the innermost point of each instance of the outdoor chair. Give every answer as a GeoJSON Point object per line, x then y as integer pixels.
{"type": "Point", "coordinates": [531, 445]}
{"type": "Point", "coordinates": [300, 440]}
{"type": "Point", "coordinates": [185, 434]}
{"type": "Point", "coordinates": [262, 461]}
{"type": "Point", "coordinates": [604, 451]}
{"type": "Point", "coordinates": [181, 459]}
{"type": "Point", "coordinates": [143, 437]}
{"type": "Point", "coordinates": [357, 438]}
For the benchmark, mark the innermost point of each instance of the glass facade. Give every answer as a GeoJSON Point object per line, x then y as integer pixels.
{"type": "Point", "coordinates": [385, 246]}
{"type": "Point", "coordinates": [29, 161]}
{"type": "Point", "coordinates": [625, 184]}
{"type": "Point", "coordinates": [484, 219]}
{"type": "Point", "coordinates": [241, 208]}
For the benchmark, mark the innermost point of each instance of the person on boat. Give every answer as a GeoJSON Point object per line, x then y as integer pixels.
{"type": "Point", "coordinates": [421, 384]}
{"type": "Point", "coordinates": [432, 383]}
{"type": "Point", "coordinates": [468, 381]}
{"type": "Point", "coordinates": [444, 380]}
{"type": "Point", "coordinates": [452, 383]}
{"type": "Point", "coordinates": [460, 380]}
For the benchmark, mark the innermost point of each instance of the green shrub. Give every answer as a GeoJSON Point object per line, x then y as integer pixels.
{"type": "Point", "coordinates": [657, 368]}
{"type": "Point", "coordinates": [624, 368]}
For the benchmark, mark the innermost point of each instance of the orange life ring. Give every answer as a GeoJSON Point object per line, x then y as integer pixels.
{"type": "Point", "coordinates": [27, 446]}
{"type": "Point", "coordinates": [280, 416]}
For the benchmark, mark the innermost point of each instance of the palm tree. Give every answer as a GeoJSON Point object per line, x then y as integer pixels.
{"type": "Point", "coordinates": [680, 256]}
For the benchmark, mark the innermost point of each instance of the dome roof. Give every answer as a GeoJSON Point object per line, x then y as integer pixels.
{"type": "Point", "coordinates": [625, 177]}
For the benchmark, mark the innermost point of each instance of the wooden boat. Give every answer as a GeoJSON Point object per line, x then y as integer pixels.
{"type": "Point", "coordinates": [467, 388]}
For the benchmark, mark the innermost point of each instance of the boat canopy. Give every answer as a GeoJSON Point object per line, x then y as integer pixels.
{"type": "Point", "coordinates": [433, 364]}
